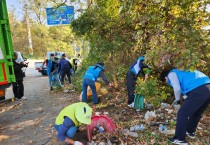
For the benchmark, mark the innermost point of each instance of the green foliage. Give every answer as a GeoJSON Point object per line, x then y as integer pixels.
{"type": "Point", "coordinates": [44, 38]}
{"type": "Point", "coordinates": [166, 30]}
{"type": "Point", "coordinates": [152, 91]}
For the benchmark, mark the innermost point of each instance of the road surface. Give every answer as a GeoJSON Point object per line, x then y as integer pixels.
{"type": "Point", "coordinates": [31, 121]}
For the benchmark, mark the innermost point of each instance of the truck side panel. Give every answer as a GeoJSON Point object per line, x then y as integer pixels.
{"type": "Point", "coordinates": [6, 49]}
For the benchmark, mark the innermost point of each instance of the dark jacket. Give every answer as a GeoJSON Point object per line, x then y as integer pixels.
{"type": "Point", "coordinates": [64, 65]}
{"type": "Point", "coordinates": [18, 71]}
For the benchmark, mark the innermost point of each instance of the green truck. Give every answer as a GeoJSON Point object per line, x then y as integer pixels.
{"type": "Point", "coordinates": [6, 51]}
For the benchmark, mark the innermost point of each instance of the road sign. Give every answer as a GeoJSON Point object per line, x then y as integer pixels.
{"type": "Point", "coordinates": [60, 15]}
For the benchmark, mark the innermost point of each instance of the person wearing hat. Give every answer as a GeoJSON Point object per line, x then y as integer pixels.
{"type": "Point", "coordinates": [131, 77]}
{"type": "Point", "coordinates": [70, 119]}
{"type": "Point", "coordinates": [90, 78]}
{"type": "Point", "coordinates": [196, 86]}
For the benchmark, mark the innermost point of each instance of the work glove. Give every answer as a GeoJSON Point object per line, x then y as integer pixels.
{"type": "Point", "coordinates": [78, 143]}
{"type": "Point", "coordinates": [175, 102]}
{"type": "Point", "coordinates": [185, 97]}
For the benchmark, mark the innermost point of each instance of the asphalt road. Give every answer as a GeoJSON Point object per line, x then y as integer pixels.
{"type": "Point", "coordinates": [31, 121]}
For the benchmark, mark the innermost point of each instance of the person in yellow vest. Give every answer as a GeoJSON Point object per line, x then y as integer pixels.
{"type": "Point", "coordinates": [69, 120]}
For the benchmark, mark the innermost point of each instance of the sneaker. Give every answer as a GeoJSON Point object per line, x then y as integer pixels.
{"type": "Point", "coordinates": [178, 142]}
{"type": "Point", "coordinates": [16, 99]}
{"type": "Point", "coordinates": [131, 105]}
{"type": "Point", "coordinates": [191, 135]}
{"type": "Point", "coordinates": [24, 98]}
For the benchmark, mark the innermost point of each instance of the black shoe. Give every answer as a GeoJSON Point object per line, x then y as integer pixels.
{"type": "Point", "coordinates": [51, 88]}
{"type": "Point", "coordinates": [191, 135]}
{"type": "Point", "coordinates": [178, 142]}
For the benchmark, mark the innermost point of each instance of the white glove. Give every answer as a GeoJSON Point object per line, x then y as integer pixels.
{"type": "Point", "coordinates": [78, 143]}
{"type": "Point", "coordinates": [185, 97]}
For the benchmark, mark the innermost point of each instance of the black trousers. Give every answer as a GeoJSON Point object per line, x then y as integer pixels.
{"type": "Point", "coordinates": [63, 73]}
{"type": "Point", "coordinates": [18, 89]}
{"type": "Point", "coordinates": [191, 110]}
{"type": "Point", "coordinates": [131, 83]}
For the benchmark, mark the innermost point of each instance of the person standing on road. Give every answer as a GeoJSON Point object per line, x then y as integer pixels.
{"type": "Point", "coordinates": [52, 69]}
{"type": "Point", "coordinates": [64, 68]}
{"type": "Point", "coordinates": [55, 80]}
{"type": "Point", "coordinates": [70, 119]}
{"type": "Point", "coordinates": [196, 86]}
{"type": "Point", "coordinates": [18, 87]}
{"type": "Point", "coordinates": [131, 77]}
{"type": "Point", "coordinates": [90, 78]}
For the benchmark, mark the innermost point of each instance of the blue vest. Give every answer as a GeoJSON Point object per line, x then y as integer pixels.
{"type": "Point", "coordinates": [64, 64]}
{"type": "Point", "coordinates": [92, 73]}
{"type": "Point", "coordinates": [136, 66]}
{"type": "Point", "coordinates": [49, 66]}
{"type": "Point", "coordinates": [190, 80]}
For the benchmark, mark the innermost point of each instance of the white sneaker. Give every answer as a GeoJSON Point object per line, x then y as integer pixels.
{"type": "Point", "coordinates": [24, 98]}
{"type": "Point", "coordinates": [131, 105]}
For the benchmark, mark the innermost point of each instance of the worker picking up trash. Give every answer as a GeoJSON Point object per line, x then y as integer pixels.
{"type": "Point", "coordinates": [70, 119]}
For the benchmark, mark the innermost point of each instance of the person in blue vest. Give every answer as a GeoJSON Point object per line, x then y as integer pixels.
{"type": "Point", "coordinates": [131, 77]}
{"type": "Point", "coordinates": [64, 68]}
{"type": "Point", "coordinates": [52, 70]}
{"type": "Point", "coordinates": [196, 86]}
{"type": "Point", "coordinates": [90, 78]}
{"type": "Point", "coordinates": [70, 119]}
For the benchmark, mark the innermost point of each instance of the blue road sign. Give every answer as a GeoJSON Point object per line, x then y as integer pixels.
{"type": "Point", "coordinates": [60, 15]}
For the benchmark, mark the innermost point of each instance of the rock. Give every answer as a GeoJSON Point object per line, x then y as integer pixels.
{"type": "Point", "coordinates": [153, 133]}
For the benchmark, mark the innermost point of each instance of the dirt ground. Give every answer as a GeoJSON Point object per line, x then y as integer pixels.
{"type": "Point", "coordinates": [31, 121]}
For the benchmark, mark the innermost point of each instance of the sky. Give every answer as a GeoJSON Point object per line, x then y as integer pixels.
{"type": "Point", "coordinates": [11, 4]}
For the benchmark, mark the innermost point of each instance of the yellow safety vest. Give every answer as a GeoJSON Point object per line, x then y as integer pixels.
{"type": "Point", "coordinates": [68, 111]}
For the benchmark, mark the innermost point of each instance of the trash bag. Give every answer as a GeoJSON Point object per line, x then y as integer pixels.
{"type": "Point", "coordinates": [89, 91]}
{"type": "Point", "coordinates": [138, 102]}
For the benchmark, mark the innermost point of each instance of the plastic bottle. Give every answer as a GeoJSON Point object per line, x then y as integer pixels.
{"type": "Point", "coordinates": [139, 127]}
